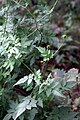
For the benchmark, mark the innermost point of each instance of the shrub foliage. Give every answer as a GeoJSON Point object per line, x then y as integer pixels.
{"type": "Point", "coordinates": [32, 45]}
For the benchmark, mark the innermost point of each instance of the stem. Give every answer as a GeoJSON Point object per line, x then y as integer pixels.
{"type": "Point", "coordinates": [23, 7]}
{"type": "Point", "coordinates": [34, 16]}
{"type": "Point", "coordinates": [45, 68]}
{"type": "Point", "coordinates": [31, 16]}
{"type": "Point", "coordinates": [52, 9]}
{"type": "Point", "coordinates": [58, 50]}
{"type": "Point", "coordinates": [26, 66]}
{"type": "Point", "coordinates": [32, 33]}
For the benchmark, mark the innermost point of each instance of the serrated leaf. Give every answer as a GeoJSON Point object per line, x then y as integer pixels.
{"type": "Point", "coordinates": [27, 103]}
{"type": "Point", "coordinates": [22, 80]}
{"type": "Point", "coordinates": [21, 108]}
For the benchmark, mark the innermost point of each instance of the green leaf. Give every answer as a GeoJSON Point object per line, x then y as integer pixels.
{"type": "Point", "coordinates": [70, 84]}
{"type": "Point", "coordinates": [27, 103]}
{"type": "Point", "coordinates": [21, 117]}
{"type": "Point", "coordinates": [18, 113]}
{"type": "Point", "coordinates": [40, 102]}
{"type": "Point", "coordinates": [33, 102]}
{"type": "Point", "coordinates": [30, 78]}
{"type": "Point", "coordinates": [72, 74]}
{"type": "Point", "coordinates": [57, 93]}
{"type": "Point", "coordinates": [32, 114]}
{"type": "Point", "coordinates": [7, 117]}
{"type": "Point", "coordinates": [41, 49]}
{"type": "Point", "coordinates": [22, 80]}
{"type": "Point", "coordinates": [37, 77]}
{"type": "Point", "coordinates": [45, 53]}
{"type": "Point", "coordinates": [21, 108]}
{"type": "Point", "coordinates": [48, 92]}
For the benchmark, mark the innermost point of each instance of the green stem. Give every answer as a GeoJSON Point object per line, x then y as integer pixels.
{"type": "Point", "coordinates": [32, 33]}
{"type": "Point", "coordinates": [52, 9]}
{"type": "Point", "coordinates": [26, 66]}
{"type": "Point", "coordinates": [31, 16]}
{"type": "Point", "coordinates": [23, 7]}
{"type": "Point", "coordinates": [58, 50]}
